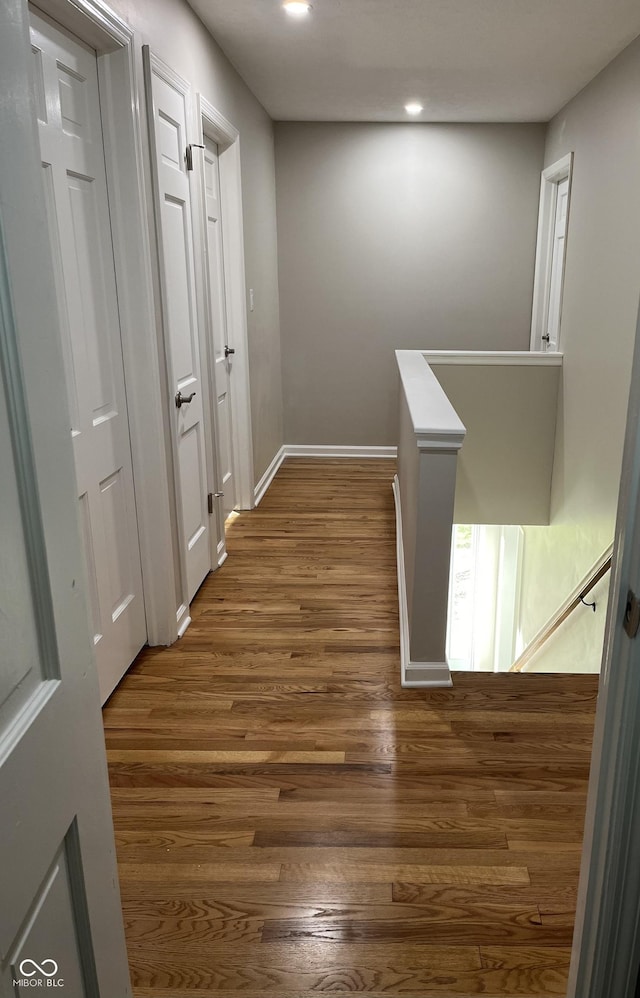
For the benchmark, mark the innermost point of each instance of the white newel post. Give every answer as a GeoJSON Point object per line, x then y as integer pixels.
{"type": "Point", "coordinates": [430, 436]}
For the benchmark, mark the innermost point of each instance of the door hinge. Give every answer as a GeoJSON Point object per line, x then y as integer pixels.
{"type": "Point", "coordinates": [210, 498]}
{"type": "Point", "coordinates": [189, 153]}
{"type": "Point", "coordinates": [632, 614]}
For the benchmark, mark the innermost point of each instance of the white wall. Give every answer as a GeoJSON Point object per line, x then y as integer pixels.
{"type": "Point", "coordinates": [396, 237]}
{"type": "Point", "coordinates": [176, 35]}
{"type": "Point", "coordinates": [602, 287]}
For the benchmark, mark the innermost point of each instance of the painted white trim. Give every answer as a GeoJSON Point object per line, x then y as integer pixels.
{"type": "Point", "coordinates": [317, 451]}
{"type": "Point", "coordinates": [183, 618]}
{"type": "Point", "coordinates": [116, 45]}
{"type": "Point", "coordinates": [412, 674]}
{"type": "Point", "coordinates": [435, 422]}
{"type": "Point", "coordinates": [212, 123]}
{"type": "Point", "coordinates": [268, 476]}
{"type": "Point", "coordinates": [550, 178]}
{"type": "Point", "coordinates": [559, 170]}
{"type": "Point", "coordinates": [169, 75]}
{"type": "Point", "coordinates": [419, 676]}
{"type": "Point", "coordinates": [492, 358]}
{"type": "Point", "coordinates": [338, 450]}
{"type": "Point", "coordinates": [92, 21]}
{"type": "Point", "coordinates": [220, 129]}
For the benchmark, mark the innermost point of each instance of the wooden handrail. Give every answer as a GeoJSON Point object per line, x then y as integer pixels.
{"type": "Point", "coordinates": [598, 572]}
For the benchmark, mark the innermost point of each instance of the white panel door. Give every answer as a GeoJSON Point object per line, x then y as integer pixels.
{"type": "Point", "coordinates": [60, 917]}
{"type": "Point", "coordinates": [168, 103]}
{"type": "Point", "coordinates": [551, 333]}
{"type": "Point", "coordinates": [222, 349]}
{"type": "Point", "coordinates": [71, 144]}
{"type": "Point", "coordinates": [58, 877]}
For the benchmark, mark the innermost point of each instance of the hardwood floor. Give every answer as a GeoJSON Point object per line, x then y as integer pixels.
{"type": "Point", "coordinates": [290, 821]}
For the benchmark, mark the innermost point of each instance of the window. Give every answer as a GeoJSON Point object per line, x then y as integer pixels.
{"type": "Point", "coordinates": [484, 585]}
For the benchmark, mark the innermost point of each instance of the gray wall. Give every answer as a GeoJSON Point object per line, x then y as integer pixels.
{"type": "Point", "coordinates": [177, 35]}
{"type": "Point", "coordinates": [396, 236]}
{"type": "Point", "coordinates": [506, 461]}
{"type": "Point", "coordinates": [600, 306]}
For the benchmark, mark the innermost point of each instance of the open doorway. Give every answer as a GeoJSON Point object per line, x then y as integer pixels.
{"type": "Point", "coordinates": [553, 223]}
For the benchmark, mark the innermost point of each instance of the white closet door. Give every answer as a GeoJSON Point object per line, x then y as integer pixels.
{"type": "Point", "coordinates": [61, 926]}
{"type": "Point", "coordinates": [551, 337]}
{"type": "Point", "coordinates": [168, 98]}
{"type": "Point", "coordinates": [72, 151]}
{"type": "Point", "coordinates": [223, 358]}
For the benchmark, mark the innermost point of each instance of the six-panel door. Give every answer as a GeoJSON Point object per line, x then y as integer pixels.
{"type": "Point", "coordinates": [71, 144]}
{"type": "Point", "coordinates": [167, 96]}
{"type": "Point", "coordinates": [60, 918]}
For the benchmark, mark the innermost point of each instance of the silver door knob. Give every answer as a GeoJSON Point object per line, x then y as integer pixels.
{"type": "Point", "coordinates": [183, 399]}
{"type": "Point", "coordinates": [228, 351]}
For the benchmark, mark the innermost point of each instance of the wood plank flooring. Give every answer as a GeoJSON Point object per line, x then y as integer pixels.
{"type": "Point", "coordinates": [290, 821]}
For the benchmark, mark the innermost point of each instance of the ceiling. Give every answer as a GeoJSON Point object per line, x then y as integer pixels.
{"type": "Point", "coordinates": [464, 60]}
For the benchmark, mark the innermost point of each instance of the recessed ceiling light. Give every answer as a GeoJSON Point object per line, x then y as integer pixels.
{"type": "Point", "coordinates": [413, 108]}
{"type": "Point", "coordinates": [297, 8]}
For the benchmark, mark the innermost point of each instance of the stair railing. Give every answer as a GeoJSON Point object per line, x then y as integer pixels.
{"type": "Point", "coordinates": [574, 600]}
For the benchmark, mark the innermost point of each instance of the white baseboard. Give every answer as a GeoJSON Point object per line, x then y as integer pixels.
{"type": "Point", "coordinates": [317, 450]}
{"type": "Point", "coordinates": [412, 674]}
{"type": "Point", "coordinates": [183, 619]}
{"type": "Point", "coordinates": [338, 450]}
{"type": "Point", "coordinates": [268, 476]}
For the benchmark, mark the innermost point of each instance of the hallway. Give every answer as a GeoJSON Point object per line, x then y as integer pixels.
{"type": "Point", "coordinates": [290, 821]}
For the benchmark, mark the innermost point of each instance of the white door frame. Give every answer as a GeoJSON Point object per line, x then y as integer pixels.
{"type": "Point", "coordinates": [210, 121]}
{"type": "Point", "coordinates": [551, 177]}
{"type": "Point", "coordinates": [115, 43]}
{"type": "Point", "coordinates": [606, 944]}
